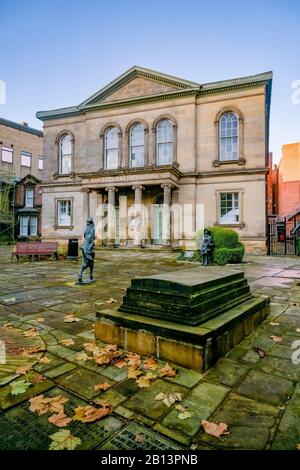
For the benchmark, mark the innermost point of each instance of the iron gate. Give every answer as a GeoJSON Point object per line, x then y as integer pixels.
{"type": "Point", "coordinates": [281, 239]}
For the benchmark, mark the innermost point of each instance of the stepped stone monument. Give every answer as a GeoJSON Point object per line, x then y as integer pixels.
{"type": "Point", "coordinates": [190, 317]}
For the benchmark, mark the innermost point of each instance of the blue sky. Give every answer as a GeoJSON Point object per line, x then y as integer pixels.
{"type": "Point", "coordinates": [57, 53]}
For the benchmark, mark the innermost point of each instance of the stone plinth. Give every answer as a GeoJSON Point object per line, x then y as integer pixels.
{"type": "Point", "coordinates": [190, 317]}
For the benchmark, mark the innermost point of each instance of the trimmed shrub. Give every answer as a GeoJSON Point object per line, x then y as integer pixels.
{"type": "Point", "coordinates": [225, 255]}
{"type": "Point", "coordinates": [227, 247]}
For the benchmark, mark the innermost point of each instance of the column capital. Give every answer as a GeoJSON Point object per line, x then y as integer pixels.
{"type": "Point", "coordinates": [138, 186]}
{"type": "Point", "coordinates": [111, 188]}
{"type": "Point", "coordinates": [166, 185]}
{"type": "Point", "coordinates": [86, 190]}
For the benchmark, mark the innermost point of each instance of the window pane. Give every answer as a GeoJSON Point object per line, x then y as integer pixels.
{"type": "Point", "coordinates": [65, 164]}
{"type": "Point", "coordinates": [228, 137]}
{"type": "Point", "coordinates": [111, 148]}
{"type": "Point", "coordinates": [137, 148]}
{"type": "Point", "coordinates": [24, 225]}
{"type": "Point", "coordinates": [66, 145]}
{"type": "Point", "coordinates": [26, 159]}
{"type": "Point", "coordinates": [7, 155]}
{"type": "Point", "coordinates": [64, 213]}
{"type": "Point", "coordinates": [29, 196]}
{"type": "Point", "coordinates": [229, 209]}
{"type": "Point", "coordinates": [41, 163]}
{"type": "Point", "coordinates": [33, 225]}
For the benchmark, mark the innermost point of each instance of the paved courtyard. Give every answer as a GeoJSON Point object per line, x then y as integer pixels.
{"type": "Point", "coordinates": [255, 392]}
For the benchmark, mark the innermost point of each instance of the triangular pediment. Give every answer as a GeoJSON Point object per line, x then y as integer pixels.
{"type": "Point", "coordinates": [137, 83]}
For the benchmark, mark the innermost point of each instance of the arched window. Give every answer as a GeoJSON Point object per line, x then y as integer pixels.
{"type": "Point", "coordinates": [137, 146]}
{"type": "Point", "coordinates": [164, 142]}
{"type": "Point", "coordinates": [65, 154]}
{"type": "Point", "coordinates": [111, 148]}
{"type": "Point", "coordinates": [228, 137]}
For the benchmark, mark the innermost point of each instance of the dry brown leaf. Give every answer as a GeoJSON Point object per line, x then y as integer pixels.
{"type": "Point", "coordinates": [139, 437]}
{"type": "Point", "coordinates": [31, 332]}
{"type": "Point", "coordinates": [89, 414]}
{"type": "Point", "coordinates": [67, 342]}
{"type": "Point", "coordinates": [45, 360]}
{"type": "Point", "coordinates": [56, 404]}
{"type": "Point", "coordinates": [102, 359]}
{"type": "Point", "coordinates": [91, 346]}
{"type": "Point", "coordinates": [150, 363]}
{"type": "Point", "coordinates": [133, 373]}
{"type": "Point", "coordinates": [71, 319]}
{"type": "Point", "coordinates": [276, 339]}
{"type": "Point", "coordinates": [111, 347]}
{"type": "Point", "coordinates": [8, 325]}
{"type": "Point", "coordinates": [214, 429]}
{"type": "Point", "coordinates": [38, 320]}
{"type": "Point", "coordinates": [29, 351]}
{"type": "Point", "coordinates": [59, 419]}
{"type": "Point", "coordinates": [37, 379]}
{"type": "Point", "coordinates": [99, 303]}
{"type": "Point", "coordinates": [167, 371]}
{"type": "Point", "coordinates": [102, 386]}
{"type": "Point", "coordinates": [120, 363]}
{"type": "Point", "coordinates": [82, 356]}
{"type": "Point", "coordinates": [110, 301]}
{"type": "Point", "coordinates": [273, 323]}
{"type": "Point", "coordinates": [23, 370]}
{"type": "Point", "coordinates": [133, 359]}
{"type": "Point", "coordinates": [39, 405]}
{"type": "Point", "coordinates": [169, 398]}
{"type": "Point", "coordinates": [143, 382]}
{"type": "Point", "coordinates": [298, 446]}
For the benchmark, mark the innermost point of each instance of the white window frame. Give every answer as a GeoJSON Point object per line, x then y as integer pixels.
{"type": "Point", "coordinates": [28, 190]}
{"type": "Point", "coordinates": [64, 219]}
{"type": "Point", "coordinates": [40, 162]}
{"type": "Point", "coordinates": [65, 160]}
{"type": "Point", "coordinates": [26, 159]}
{"type": "Point", "coordinates": [27, 228]}
{"type": "Point", "coordinates": [111, 150]}
{"type": "Point", "coordinates": [227, 218]}
{"type": "Point", "coordinates": [226, 137]}
{"type": "Point", "coordinates": [7, 155]}
{"type": "Point", "coordinates": [164, 144]}
{"type": "Point", "coordinates": [133, 146]}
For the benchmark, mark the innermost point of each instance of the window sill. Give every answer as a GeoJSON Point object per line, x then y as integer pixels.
{"type": "Point", "coordinates": [63, 227]}
{"type": "Point", "coordinates": [240, 161]}
{"type": "Point", "coordinates": [63, 175]}
{"type": "Point", "coordinates": [239, 225]}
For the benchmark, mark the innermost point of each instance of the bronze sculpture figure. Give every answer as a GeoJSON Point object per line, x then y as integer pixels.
{"type": "Point", "coordinates": [88, 251]}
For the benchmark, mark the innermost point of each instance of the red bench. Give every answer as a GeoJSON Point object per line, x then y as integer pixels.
{"type": "Point", "coordinates": [33, 249]}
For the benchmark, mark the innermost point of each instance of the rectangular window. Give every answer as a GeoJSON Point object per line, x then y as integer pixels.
{"type": "Point", "coordinates": [24, 225]}
{"type": "Point", "coordinates": [7, 155]}
{"type": "Point", "coordinates": [64, 213]}
{"type": "Point", "coordinates": [40, 162]}
{"type": "Point", "coordinates": [111, 159]}
{"type": "Point", "coordinates": [26, 159]}
{"type": "Point", "coordinates": [28, 225]}
{"type": "Point", "coordinates": [29, 197]}
{"type": "Point", "coordinates": [229, 208]}
{"type": "Point", "coordinates": [33, 225]}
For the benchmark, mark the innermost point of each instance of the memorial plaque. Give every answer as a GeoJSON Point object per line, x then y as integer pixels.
{"type": "Point", "coordinates": [20, 429]}
{"type": "Point", "coordinates": [126, 440]}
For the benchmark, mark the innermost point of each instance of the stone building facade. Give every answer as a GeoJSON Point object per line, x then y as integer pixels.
{"type": "Point", "coordinates": [154, 157]}
{"type": "Point", "coordinates": [21, 156]}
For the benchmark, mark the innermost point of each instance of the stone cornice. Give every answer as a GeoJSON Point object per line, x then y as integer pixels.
{"type": "Point", "coordinates": [130, 171]}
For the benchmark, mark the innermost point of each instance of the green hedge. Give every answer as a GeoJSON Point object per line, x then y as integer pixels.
{"type": "Point", "coordinates": [227, 247]}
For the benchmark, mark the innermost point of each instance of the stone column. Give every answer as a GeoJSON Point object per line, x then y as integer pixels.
{"type": "Point", "coordinates": [138, 214]}
{"type": "Point", "coordinates": [111, 215]}
{"type": "Point", "coordinates": [166, 214]}
{"type": "Point", "coordinates": [176, 219]}
{"type": "Point", "coordinates": [123, 219]}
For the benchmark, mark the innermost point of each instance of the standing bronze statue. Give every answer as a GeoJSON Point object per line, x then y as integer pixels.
{"type": "Point", "coordinates": [206, 248]}
{"type": "Point", "coordinates": [88, 251]}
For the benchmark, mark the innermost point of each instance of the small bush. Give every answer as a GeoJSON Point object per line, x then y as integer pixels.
{"type": "Point", "coordinates": [227, 247]}
{"type": "Point", "coordinates": [225, 255]}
